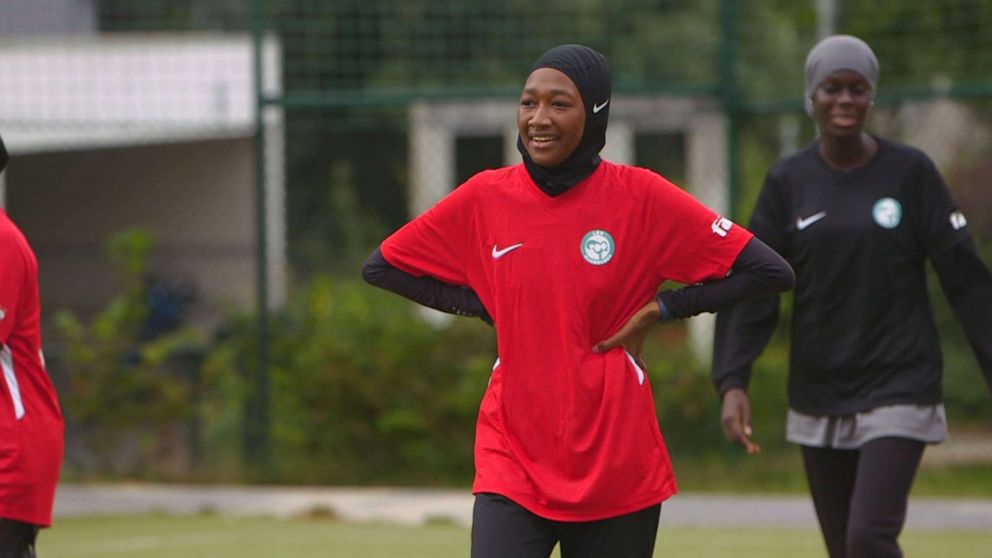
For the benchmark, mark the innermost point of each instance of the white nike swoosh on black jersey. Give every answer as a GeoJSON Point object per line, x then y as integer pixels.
{"type": "Point", "coordinates": [802, 223]}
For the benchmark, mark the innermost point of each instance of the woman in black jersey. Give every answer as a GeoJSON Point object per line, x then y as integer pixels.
{"type": "Point", "coordinates": [857, 216]}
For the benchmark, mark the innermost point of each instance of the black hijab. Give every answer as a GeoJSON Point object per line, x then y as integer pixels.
{"type": "Point", "coordinates": [591, 75]}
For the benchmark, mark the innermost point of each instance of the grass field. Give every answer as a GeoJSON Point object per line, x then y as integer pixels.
{"type": "Point", "coordinates": [214, 536]}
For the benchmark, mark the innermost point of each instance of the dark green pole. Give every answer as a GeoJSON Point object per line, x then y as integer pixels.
{"type": "Point", "coordinates": [256, 429]}
{"type": "Point", "coordinates": [730, 97]}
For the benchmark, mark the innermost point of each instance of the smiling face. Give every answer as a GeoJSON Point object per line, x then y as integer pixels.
{"type": "Point", "coordinates": [551, 117]}
{"type": "Point", "coordinates": [841, 104]}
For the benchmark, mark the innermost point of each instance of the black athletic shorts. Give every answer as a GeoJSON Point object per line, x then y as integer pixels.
{"type": "Point", "coordinates": [502, 529]}
{"type": "Point", "coordinates": [17, 539]}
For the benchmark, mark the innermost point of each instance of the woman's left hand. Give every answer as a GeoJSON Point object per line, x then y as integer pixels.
{"type": "Point", "coordinates": [633, 333]}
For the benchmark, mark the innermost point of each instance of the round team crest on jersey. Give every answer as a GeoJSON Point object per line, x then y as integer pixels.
{"type": "Point", "coordinates": [597, 247]}
{"type": "Point", "coordinates": [887, 213]}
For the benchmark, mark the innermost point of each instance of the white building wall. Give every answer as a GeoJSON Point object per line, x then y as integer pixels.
{"type": "Point", "coordinates": [195, 199]}
{"type": "Point", "coordinates": [116, 131]}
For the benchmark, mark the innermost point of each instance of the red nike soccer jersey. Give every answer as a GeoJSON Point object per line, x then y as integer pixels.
{"type": "Point", "coordinates": [30, 419]}
{"type": "Point", "coordinates": [568, 434]}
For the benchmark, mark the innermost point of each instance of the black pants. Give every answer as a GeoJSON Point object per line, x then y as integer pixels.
{"type": "Point", "coordinates": [503, 529]}
{"type": "Point", "coordinates": [17, 539]}
{"type": "Point", "coordinates": [861, 495]}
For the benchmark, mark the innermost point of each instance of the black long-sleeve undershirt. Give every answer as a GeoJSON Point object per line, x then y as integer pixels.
{"type": "Point", "coordinates": [967, 284]}
{"type": "Point", "coordinates": [757, 271]}
{"type": "Point", "coordinates": [424, 290]}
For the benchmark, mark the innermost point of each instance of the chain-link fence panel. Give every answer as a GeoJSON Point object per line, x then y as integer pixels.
{"type": "Point", "coordinates": [307, 130]}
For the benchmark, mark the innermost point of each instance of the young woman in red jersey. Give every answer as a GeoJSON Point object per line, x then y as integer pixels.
{"type": "Point", "coordinates": [858, 217]}
{"type": "Point", "coordinates": [30, 418]}
{"type": "Point", "coordinates": [565, 253]}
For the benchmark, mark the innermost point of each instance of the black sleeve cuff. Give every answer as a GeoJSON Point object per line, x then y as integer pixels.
{"type": "Point", "coordinates": [666, 314]}
{"type": "Point", "coordinates": [728, 383]}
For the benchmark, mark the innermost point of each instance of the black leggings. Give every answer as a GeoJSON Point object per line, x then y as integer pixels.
{"type": "Point", "coordinates": [503, 529]}
{"type": "Point", "coordinates": [17, 539]}
{"type": "Point", "coordinates": [861, 495]}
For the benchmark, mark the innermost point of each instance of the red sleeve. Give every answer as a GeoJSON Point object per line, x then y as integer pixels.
{"type": "Point", "coordinates": [695, 244]}
{"type": "Point", "coordinates": [12, 269]}
{"type": "Point", "coordinates": [437, 242]}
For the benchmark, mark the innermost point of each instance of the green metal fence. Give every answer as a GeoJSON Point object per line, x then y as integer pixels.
{"type": "Point", "coordinates": [347, 73]}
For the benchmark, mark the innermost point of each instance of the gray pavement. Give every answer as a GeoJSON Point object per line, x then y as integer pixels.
{"type": "Point", "coordinates": [409, 506]}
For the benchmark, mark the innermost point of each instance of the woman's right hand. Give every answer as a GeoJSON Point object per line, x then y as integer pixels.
{"type": "Point", "coordinates": [736, 419]}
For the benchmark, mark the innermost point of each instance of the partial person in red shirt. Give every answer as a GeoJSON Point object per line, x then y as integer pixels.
{"type": "Point", "coordinates": [565, 254]}
{"type": "Point", "coordinates": [31, 424]}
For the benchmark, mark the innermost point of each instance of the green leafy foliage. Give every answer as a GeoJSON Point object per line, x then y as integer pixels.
{"type": "Point", "coordinates": [362, 389]}
{"type": "Point", "coordinates": [689, 408]}
{"type": "Point", "coordinates": [126, 397]}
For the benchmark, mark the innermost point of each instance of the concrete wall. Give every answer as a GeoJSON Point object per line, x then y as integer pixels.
{"type": "Point", "coordinates": [195, 199]}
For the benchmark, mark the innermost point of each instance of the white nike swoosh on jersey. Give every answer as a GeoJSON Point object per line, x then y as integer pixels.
{"type": "Point", "coordinates": [802, 223]}
{"type": "Point", "coordinates": [596, 108]}
{"type": "Point", "coordinates": [498, 253]}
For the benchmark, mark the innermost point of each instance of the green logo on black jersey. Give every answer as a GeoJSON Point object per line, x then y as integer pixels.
{"type": "Point", "coordinates": [597, 247]}
{"type": "Point", "coordinates": [887, 213]}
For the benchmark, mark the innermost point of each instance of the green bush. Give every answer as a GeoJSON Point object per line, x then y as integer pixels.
{"type": "Point", "coordinates": [362, 390]}
{"type": "Point", "coordinates": [126, 398]}
{"type": "Point", "coordinates": [689, 408]}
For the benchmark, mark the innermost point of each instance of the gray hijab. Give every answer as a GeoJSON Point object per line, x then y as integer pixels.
{"type": "Point", "coordinates": [836, 53]}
